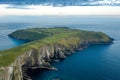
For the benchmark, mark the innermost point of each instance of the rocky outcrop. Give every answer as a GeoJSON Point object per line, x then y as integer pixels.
{"type": "Point", "coordinates": [41, 58]}
{"type": "Point", "coordinates": [16, 63]}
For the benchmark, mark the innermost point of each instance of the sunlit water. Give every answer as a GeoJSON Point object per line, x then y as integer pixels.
{"type": "Point", "coordinates": [98, 62]}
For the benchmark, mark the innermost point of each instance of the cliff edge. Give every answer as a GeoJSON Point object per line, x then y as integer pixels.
{"type": "Point", "coordinates": [44, 46]}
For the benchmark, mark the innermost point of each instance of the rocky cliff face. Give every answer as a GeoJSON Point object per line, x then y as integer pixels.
{"type": "Point", "coordinates": [40, 58]}
{"type": "Point", "coordinates": [32, 59]}
{"type": "Point", "coordinates": [14, 71]}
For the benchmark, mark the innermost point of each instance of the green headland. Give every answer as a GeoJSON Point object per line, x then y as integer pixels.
{"type": "Point", "coordinates": [39, 37]}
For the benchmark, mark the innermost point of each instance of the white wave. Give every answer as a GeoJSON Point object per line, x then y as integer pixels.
{"type": "Point", "coordinates": [68, 10]}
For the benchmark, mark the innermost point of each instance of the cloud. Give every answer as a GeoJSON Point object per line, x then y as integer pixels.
{"type": "Point", "coordinates": [17, 7]}
{"type": "Point", "coordinates": [37, 10]}
{"type": "Point", "coordinates": [63, 2]}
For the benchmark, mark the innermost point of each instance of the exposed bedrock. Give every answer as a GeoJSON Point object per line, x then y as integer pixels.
{"type": "Point", "coordinates": [40, 59]}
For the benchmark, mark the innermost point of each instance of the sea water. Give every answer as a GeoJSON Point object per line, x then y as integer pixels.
{"type": "Point", "coordinates": [97, 62]}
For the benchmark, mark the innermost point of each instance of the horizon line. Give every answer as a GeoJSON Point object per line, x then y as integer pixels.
{"type": "Point", "coordinates": [38, 10]}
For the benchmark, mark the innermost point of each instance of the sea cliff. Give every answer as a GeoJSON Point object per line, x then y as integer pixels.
{"type": "Point", "coordinates": [46, 45]}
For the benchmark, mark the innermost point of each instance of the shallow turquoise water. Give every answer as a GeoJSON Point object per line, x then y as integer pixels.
{"type": "Point", "coordinates": [7, 42]}
{"type": "Point", "coordinates": [98, 62]}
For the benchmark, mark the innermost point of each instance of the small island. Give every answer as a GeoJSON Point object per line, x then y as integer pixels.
{"type": "Point", "coordinates": [44, 46]}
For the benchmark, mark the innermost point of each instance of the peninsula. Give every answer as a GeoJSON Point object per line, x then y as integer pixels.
{"type": "Point", "coordinates": [44, 45]}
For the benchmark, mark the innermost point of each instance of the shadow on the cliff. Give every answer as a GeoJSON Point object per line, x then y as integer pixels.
{"type": "Point", "coordinates": [35, 73]}
{"type": "Point", "coordinates": [38, 73]}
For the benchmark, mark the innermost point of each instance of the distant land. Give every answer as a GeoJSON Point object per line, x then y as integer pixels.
{"type": "Point", "coordinates": [44, 46]}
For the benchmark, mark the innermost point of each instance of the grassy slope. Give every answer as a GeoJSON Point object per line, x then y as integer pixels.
{"type": "Point", "coordinates": [37, 33]}
{"type": "Point", "coordinates": [63, 36]}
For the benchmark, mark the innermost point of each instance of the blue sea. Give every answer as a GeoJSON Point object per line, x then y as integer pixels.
{"type": "Point", "coordinates": [97, 62]}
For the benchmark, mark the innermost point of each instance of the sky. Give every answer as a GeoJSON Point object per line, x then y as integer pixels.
{"type": "Point", "coordinates": [68, 10]}
{"type": "Point", "coordinates": [59, 7]}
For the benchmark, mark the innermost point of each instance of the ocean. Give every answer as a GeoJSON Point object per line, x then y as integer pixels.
{"type": "Point", "coordinates": [97, 62]}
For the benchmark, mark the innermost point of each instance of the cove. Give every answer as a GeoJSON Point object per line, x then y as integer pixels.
{"type": "Point", "coordinates": [7, 42]}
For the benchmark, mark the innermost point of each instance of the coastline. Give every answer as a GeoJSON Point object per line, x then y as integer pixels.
{"type": "Point", "coordinates": [42, 57]}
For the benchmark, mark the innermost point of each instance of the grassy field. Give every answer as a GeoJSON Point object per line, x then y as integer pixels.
{"type": "Point", "coordinates": [39, 37]}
